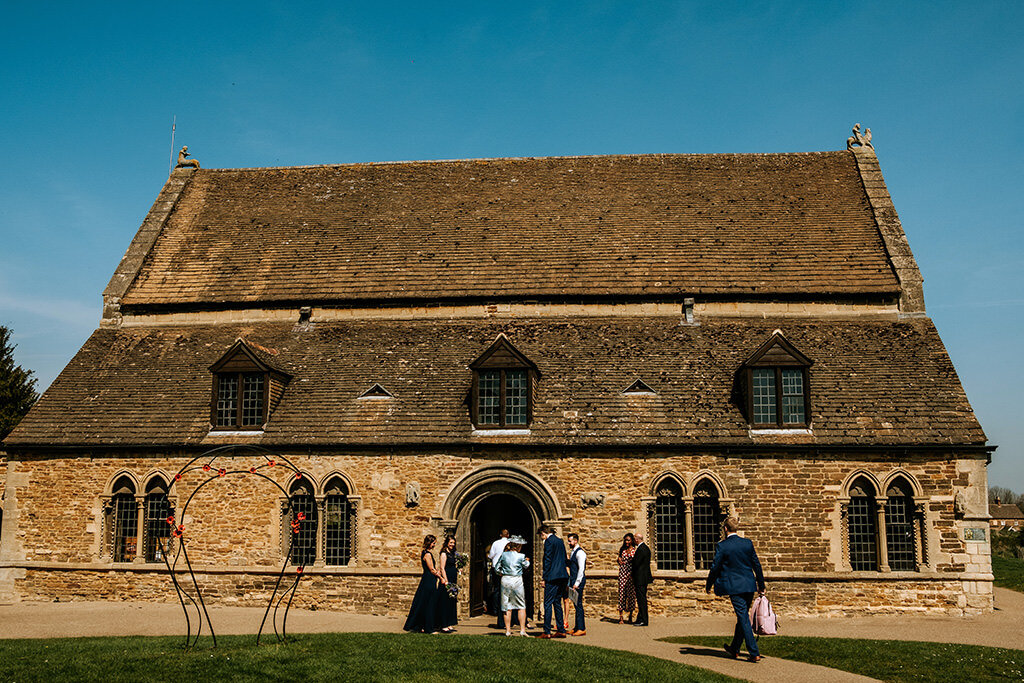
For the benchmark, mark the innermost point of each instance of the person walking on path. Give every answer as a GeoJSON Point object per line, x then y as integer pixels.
{"type": "Point", "coordinates": [447, 608]}
{"type": "Point", "coordinates": [423, 612]}
{"type": "Point", "coordinates": [556, 579]}
{"type": "Point", "coordinates": [736, 572]}
{"type": "Point", "coordinates": [511, 564]}
{"type": "Point", "coordinates": [642, 578]}
{"type": "Point", "coordinates": [577, 581]}
{"type": "Point", "coordinates": [627, 592]}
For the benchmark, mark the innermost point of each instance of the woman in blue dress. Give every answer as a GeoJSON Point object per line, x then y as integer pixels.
{"type": "Point", "coordinates": [510, 565]}
{"type": "Point", "coordinates": [423, 613]}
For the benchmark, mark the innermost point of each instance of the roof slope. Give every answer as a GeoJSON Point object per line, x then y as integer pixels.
{"type": "Point", "coordinates": [511, 228]}
{"type": "Point", "coordinates": [871, 383]}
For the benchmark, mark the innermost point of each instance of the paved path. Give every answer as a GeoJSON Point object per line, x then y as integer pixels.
{"type": "Point", "coordinates": [1002, 628]}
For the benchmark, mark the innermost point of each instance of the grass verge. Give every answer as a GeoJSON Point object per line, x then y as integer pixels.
{"type": "Point", "coordinates": [888, 660]}
{"type": "Point", "coordinates": [332, 657]}
{"type": "Point", "coordinates": [1009, 572]}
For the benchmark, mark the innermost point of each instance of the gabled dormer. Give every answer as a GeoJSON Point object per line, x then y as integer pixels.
{"type": "Point", "coordinates": [502, 391]}
{"type": "Point", "coordinates": [776, 380]}
{"type": "Point", "coordinates": [247, 386]}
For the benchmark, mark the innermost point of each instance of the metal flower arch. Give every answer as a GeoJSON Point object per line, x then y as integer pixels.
{"type": "Point", "coordinates": [206, 463]}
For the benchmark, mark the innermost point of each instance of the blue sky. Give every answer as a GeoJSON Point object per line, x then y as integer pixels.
{"type": "Point", "coordinates": [89, 93]}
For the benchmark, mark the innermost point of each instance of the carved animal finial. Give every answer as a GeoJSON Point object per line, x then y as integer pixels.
{"type": "Point", "coordinates": [184, 161]}
{"type": "Point", "coordinates": [859, 140]}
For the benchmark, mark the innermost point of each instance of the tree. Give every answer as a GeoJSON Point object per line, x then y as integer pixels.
{"type": "Point", "coordinates": [17, 386]}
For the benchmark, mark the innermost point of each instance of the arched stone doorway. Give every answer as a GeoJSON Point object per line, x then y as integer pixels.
{"type": "Point", "coordinates": [492, 498]}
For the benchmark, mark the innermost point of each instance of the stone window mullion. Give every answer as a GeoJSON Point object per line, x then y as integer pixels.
{"type": "Point", "coordinates": [691, 564]}
{"type": "Point", "coordinates": [844, 534]}
{"type": "Point", "coordinates": [106, 528]}
{"type": "Point", "coordinates": [883, 544]}
{"type": "Point", "coordinates": [321, 531]}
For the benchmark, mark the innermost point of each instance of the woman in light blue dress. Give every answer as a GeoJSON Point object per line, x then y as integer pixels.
{"type": "Point", "coordinates": [510, 565]}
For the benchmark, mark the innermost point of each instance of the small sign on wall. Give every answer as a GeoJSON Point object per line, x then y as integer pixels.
{"type": "Point", "coordinates": [975, 534]}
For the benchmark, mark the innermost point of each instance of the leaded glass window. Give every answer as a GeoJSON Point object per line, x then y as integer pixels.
{"type": "Point", "coordinates": [156, 528]}
{"type": "Point", "coordinates": [303, 513]}
{"type": "Point", "coordinates": [227, 401]}
{"type": "Point", "coordinates": [241, 400]}
{"type": "Point", "coordinates": [764, 395]}
{"type": "Point", "coordinates": [776, 379]}
{"type": "Point", "coordinates": [124, 522]}
{"type": "Point", "coordinates": [707, 524]}
{"type": "Point", "coordinates": [793, 396]}
{"type": "Point", "coordinates": [670, 527]}
{"type": "Point", "coordinates": [489, 410]}
{"type": "Point", "coordinates": [899, 528]}
{"type": "Point", "coordinates": [862, 529]}
{"type": "Point", "coordinates": [337, 525]}
{"type": "Point", "coordinates": [503, 398]}
{"type": "Point", "coordinates": [515, 397]}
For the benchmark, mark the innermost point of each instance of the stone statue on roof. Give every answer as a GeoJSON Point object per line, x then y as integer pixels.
{"type": "Point", "coordinates": [859, 140]}
{"type": "Point", "coordinates": [184, 161]}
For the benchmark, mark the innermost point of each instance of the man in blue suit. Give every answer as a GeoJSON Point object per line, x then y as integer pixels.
{"type": "Point", "coordinates": [736, 572]}
{"type": "Point", "coordinates": [556, 581]}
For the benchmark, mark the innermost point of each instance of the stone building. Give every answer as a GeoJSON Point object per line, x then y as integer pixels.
{"type": "Point", "coordinates": [605, 344]}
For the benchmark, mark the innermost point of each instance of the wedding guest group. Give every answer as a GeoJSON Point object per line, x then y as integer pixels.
{"type": "Point", "coordinates": [433, 608]}
{"type": "Point", "coordinates": [736, 573]}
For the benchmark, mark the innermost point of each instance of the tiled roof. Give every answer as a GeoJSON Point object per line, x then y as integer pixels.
{"type": "Point", "coordinates": [872, 382]}
{"type": "Point", "coordinates": [637, 225]}
{"type": "Point", "coordinates": [1005, 511]}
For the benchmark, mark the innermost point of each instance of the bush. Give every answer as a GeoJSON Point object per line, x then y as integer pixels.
{"type": "Point", "coordinates": [1008, 543]}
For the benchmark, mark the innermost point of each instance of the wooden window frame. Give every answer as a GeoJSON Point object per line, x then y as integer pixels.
{"type": "Point", "coordinates": [502, 407]}
{"type": "Point", "coordinates": [238, 426]}
{"type": "Point", "coordinates": [501, 357]}
{"type": "Point", "coordinates": [778, 423]}
{"type": "Point", "coordinates": [793, 360]}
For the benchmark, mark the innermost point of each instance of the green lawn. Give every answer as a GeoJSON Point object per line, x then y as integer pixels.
{"type": "Point", "coordinates": [1009, 572]}
{"type": "Point", "coordinates": [332, 657]}
{"type": "Point", "coordinates": [888, 660]}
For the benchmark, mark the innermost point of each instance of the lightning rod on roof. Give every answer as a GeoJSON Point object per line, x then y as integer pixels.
{"type": "Point", "coordinates": [170, 160]}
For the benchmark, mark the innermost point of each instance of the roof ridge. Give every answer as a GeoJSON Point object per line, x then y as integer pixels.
{"type": "Point", "coordinates": [526, 158]}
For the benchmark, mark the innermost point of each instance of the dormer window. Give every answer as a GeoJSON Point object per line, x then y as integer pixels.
{"type": "Point", "coordinates": [777, 393]}
{"type": "Point", "coordinates": [502, 387]}
{"type": "Point", "coordinates": [246, 387]}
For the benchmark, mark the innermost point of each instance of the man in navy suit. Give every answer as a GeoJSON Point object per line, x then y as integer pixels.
{"type": "Point", "coordinates": [736, 572]}
{"type": "Point", "coordinates": [556, 581]}
{"type": "Point", "coordinates": [642, 578]}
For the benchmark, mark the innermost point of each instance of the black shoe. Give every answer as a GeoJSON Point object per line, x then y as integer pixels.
{"type": "Point", "coordinates": [735, 654]}
{"type": "Point", "coordinates": [640, 623]}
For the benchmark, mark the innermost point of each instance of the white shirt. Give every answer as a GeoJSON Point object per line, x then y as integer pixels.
{"type": "Point", "coordinates": [497, 548]}
{"type": "Point", "coordinates": [581, 558]}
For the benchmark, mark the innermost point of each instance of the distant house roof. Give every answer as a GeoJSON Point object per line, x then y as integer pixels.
{"type": "Point", "coordinates": [872, 383]}
{"type": "Point", "coordinates": [492, 229]}
{"type": "Point", "coordinates": [1005, 511]}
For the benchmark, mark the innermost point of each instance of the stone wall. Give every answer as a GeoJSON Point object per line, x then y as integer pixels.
{"type": "Point", "coordinates": [789, 506]}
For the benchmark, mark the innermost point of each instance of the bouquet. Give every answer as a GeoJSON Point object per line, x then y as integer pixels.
{"type": "Point", "coordinates": [453, 589]}
{"type": "Point", "coordinates": [461, 560]}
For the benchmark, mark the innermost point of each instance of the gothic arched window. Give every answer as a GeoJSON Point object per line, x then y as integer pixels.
{"type": "Point", "coordinates": [901, 546]}
{"type": "Point", "coordinates": [337, 523]}
{"type": "Point", "coordinates": [303, 503]}
{"type": "Point", "coordinates": [670, 526]}
{"type": "Point", "coordinates": [707, 523]}
{"type": "Point", "coordinates": [124, 521]}
{"type": "Point", "coordinates": [156, 511]}
{"type": "Point", "coordinates": [862, 526]}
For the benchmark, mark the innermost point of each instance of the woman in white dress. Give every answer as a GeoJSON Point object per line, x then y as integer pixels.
{"type": "Point", "coordinates": [510, 565]}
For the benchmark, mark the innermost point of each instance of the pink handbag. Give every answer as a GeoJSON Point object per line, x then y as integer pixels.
{"type": "Point", "coordinates": [763, 618]}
